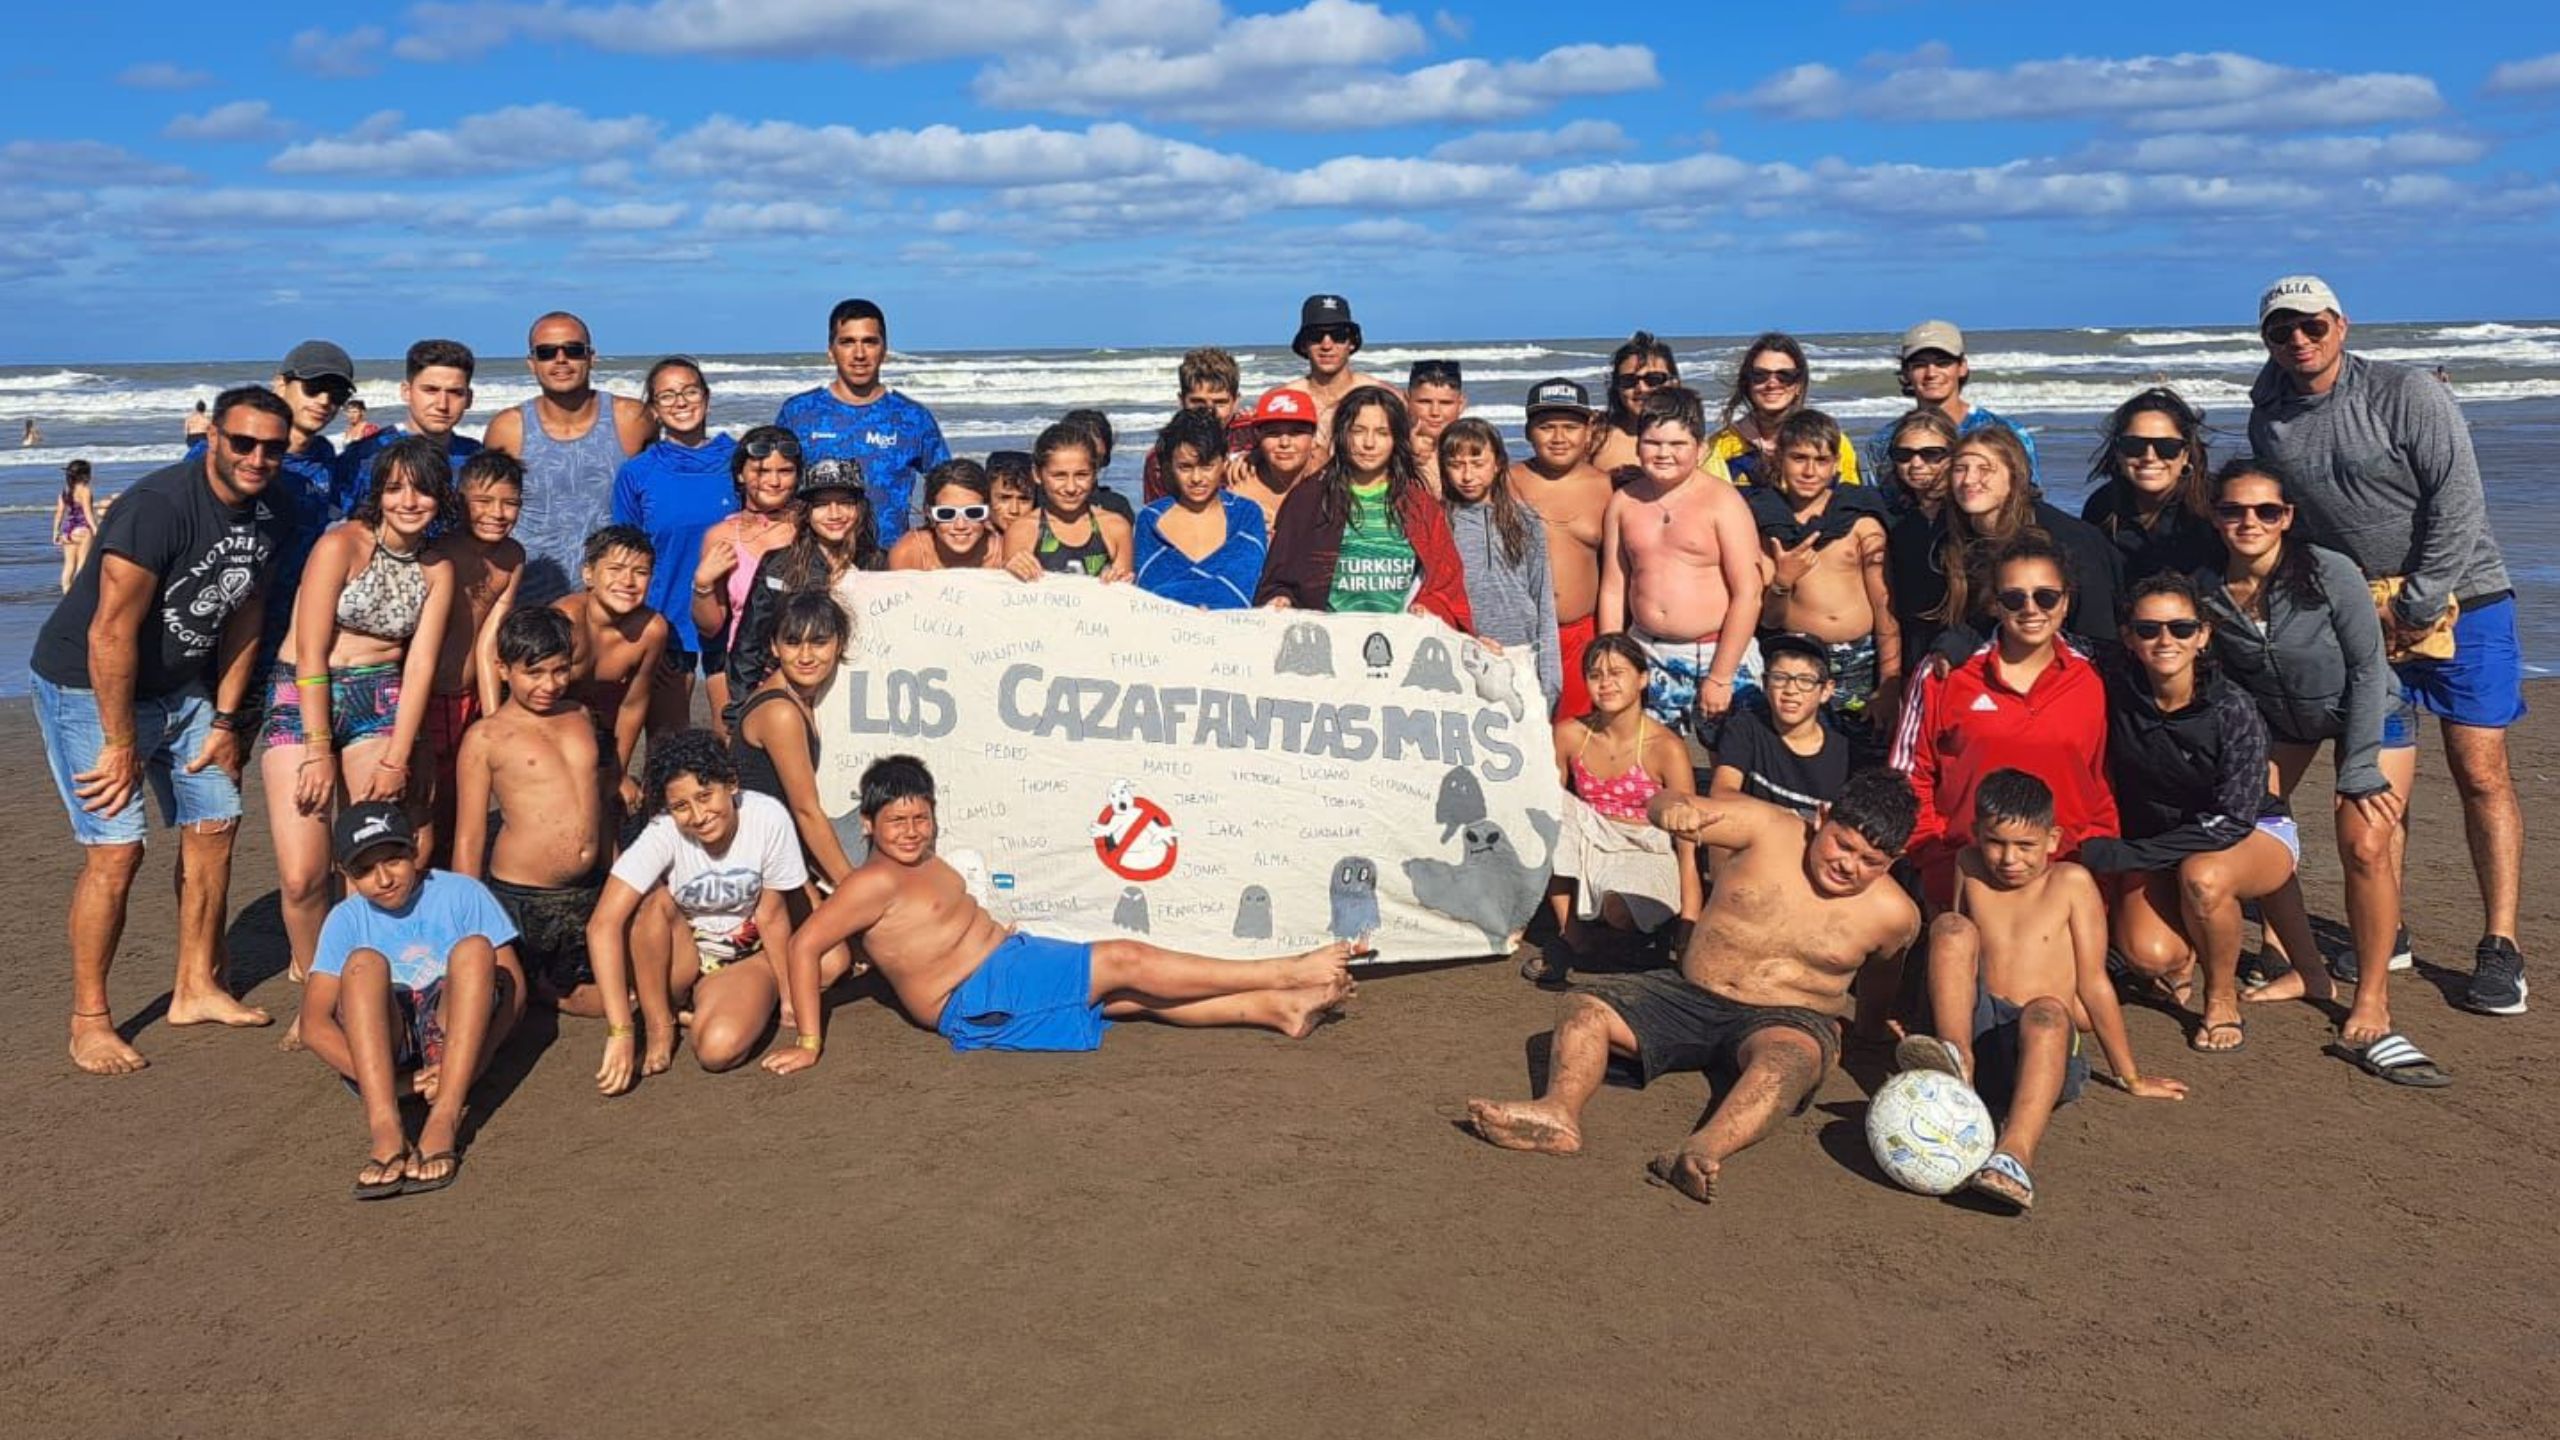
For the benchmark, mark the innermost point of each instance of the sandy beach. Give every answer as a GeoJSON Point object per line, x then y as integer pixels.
{"type": "Point", "coordinates": [1222, 1234]}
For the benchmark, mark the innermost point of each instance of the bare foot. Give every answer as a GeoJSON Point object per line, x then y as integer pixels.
{"type": "Point", "coordinates": [1305, 1011]}
{"type": "Point", "coordinates": [660, 1054]}
{"type": "Point", "coordinates": [2365, 1023]}
{"type": "Point", "coordinates": [2290, 986]}
{"type": "Point", "coordinates": [216, 1007]}
{"type": "Point", "coordinates": [1530, 1125]}
{"type": "Point", "coordinates": [1686, 1171]}
{"type": "Point", "coordinates": [98, 1049]}
{"type": "Point", "coordinates": [292, 1040]}
{"type": "Point", "coordinates": [1321, 966]}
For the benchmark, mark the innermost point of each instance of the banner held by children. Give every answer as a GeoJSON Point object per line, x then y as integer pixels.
{"type": "Point", "coordinates": [1236, 782]}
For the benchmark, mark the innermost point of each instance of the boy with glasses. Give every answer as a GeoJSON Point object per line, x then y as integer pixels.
{"type": "Point", "coordinates": [1787, 756]}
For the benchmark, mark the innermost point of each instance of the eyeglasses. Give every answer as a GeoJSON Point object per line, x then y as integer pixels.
{"type": "Point", "coordinates": [1927, 454]}
{"type": "Point", "coordinates": [788, 447]}
{"type": "Point", "coordinates": [682, 394]}
{"type": "Point", "coordinates": [2314, 328]}
{"type": "Point", "coordinates": [2266, 512]}
{"type": "Point", "coordinates": [1649, 379]}
{"type": "Point", "coordinates": [2150, 629]}
{"type": "Point", "coordinates": [1329, 335]}
{"type": "Point", "coordinates": [2043, 598]}
{"type": "Point", "coordinates": [1790, 684]}
{"type": "Point", "coordinates": [247, 445]}
{"type": "Point", "coordinates": [2158, 447]}
{"type": "Point", "coordinates": [567, 349]}
{"type": "Point", "coordinates": [945, 514]}
{"type": "Point", "coordinates": [1762, 375]}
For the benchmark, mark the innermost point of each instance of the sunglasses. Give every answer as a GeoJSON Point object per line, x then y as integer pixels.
{"type": "Point", "coordinates": [1930, 454]}
{"type": "Point", "coordinates": [2018, 602]}
{"type": "Point", "coordinates": [2150, 629]}
{"type": "Point", "coordinates": [1790, 684]}
{"type": "Point", "coordinates": [945, 514]}
{"type": "Point", "coordinates": [1761, 375]}
{"type": "Point", "coordinates": [2313, 328]}
{"type": "Point", "coordinates": [1329, 335]}
{"type": "Point", "coordinates": [2265, 513]}
{"type": "Point", "coordinates": [569, 349]}
{"type": "Point", "coordinates": [788, 448]}
{"type": "Point", "coordinates": [1650, 379]}
{"type": "Point", "coordinates": [246, 445]}
{"type": "Point", "coordinates": [680, 395]}
{"type": "Point", "coordinates": [329, 388]}
{"type": "Point", "coordinates": [2158, 447]}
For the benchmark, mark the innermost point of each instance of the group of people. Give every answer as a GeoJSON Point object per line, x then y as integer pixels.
{"type": "Point", "coordinates": [1782, 667]}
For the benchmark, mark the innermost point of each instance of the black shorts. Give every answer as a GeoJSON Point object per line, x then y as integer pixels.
{"type": "Point", "coordinates": [1681, 1026]}
{"type": "Point", "coordinates": [1995, 1055]}
{"type": "Point", "coordinates": [551, 932]}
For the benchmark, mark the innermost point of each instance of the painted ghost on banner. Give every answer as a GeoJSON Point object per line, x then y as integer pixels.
{"type": "Point", "coordinates": [1217, 779]}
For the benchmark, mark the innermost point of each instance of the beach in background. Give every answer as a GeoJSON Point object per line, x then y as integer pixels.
{"type": "Point", "coordinates": [125, 419]}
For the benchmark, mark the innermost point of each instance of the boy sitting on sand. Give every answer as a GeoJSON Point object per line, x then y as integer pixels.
{"type": "Point", "coordinates": [2017, 969]}
{"type": "Point", "coordinates": [536, 755]}
{"type": "Point", "coordinates": [619, 641]}
{"type": "Point", "coordinates": [986, 986]}
{"type": "Point", "coordinates": [1822, 555]}
{"type": "Point", "coordinates": [415, 969]}
{"type": "Point", "coordinates": [486, 564]}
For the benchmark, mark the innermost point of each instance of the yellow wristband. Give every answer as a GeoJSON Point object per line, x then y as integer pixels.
{"type": "Point", "coordinates": [805, 1041]}
{"type": "Point", "coordinates": [313, 681]}
{"type": "Point", "coordinates": [617, 1032]}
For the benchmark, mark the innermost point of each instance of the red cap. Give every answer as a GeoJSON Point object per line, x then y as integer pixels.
{"type": "Point", "coordinates": [1284, 404]}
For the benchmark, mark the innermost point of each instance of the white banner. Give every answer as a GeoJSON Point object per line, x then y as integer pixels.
{"type": "Point", "coordinates": [1236, 783]}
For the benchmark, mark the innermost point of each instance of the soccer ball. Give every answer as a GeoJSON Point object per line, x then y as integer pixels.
{"type": "Point", "coordinates": [1929, 1131]}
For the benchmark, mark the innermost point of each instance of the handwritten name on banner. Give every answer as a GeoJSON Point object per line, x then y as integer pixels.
{"type": "Point", "coordinates": [1235, 782]}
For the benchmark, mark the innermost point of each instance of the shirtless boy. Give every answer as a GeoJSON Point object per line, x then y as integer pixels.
{"type": "Point", "coordinates": [1680, 571]}
{"type": "Point", "coordinates": [2017, 969]}
{"type": "Point", "coordinates": [1327, 338]}
{"type": "Point", "coordinates": [618, 637]}
{"type": "Point", "coordinates": [536, 754]}
{"type": "Point", "coordinates": [1571, 495]}
{"type": "Point", "coordinates": [1762, 987]}
{"type": "Point", "coordinates": [487, 563]}
{"type": "Point", "coordinates": [1822, 554]}
{"type": "Point", "coordinates": [986, 986]}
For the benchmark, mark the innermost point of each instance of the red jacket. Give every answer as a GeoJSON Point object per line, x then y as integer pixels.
{"type": "Point", "coordinates": [1305, 548]}
{"type": "Point", "coordinates": [1959, 724]}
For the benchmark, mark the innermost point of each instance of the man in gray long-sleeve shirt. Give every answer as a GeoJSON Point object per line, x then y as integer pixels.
{"type": "Point", "coordinates": [2381, 463]}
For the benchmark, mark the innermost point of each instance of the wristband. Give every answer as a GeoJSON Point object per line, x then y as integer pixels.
{"type": "Point", "coordinates": [312, 681]}
{"type": "Point", "coordinates": [231, 720]}
{"type": "Point", "coordinates": [1781, 590]}
{"type": "Point", "coordinates": [1724, 680]}
{"type": "Point", "coordinates": [700, 589]}
{"type": "Point", "coordinates": [617, 1032]}
{"type": "Point", "coordinates": [805, 1041]}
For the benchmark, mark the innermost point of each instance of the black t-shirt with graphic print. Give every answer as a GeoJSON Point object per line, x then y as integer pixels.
{"type": "Point", "coordinates": [209, 557]}
{"type": "Point", "coordinates": [1774, 772]}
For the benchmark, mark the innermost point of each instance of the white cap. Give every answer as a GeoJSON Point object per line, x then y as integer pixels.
{"type": "Point", "coordinates": [1933, 335]}
{"type": "Point", "coordinates": [2302, 294]}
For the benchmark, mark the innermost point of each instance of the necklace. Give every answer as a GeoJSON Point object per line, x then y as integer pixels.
{"type": "Point", "coordinates": [1674, 493]}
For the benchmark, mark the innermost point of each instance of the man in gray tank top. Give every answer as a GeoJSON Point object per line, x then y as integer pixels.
{"type": "Point", "coordinates": [572, 439]}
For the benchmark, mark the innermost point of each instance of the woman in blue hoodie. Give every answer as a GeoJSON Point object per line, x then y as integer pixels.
{"type": "Point", "coordinates": [674, 491]}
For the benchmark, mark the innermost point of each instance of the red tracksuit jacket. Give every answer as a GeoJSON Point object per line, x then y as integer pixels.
{"type": "Point", "coordinates": [1960, 725]}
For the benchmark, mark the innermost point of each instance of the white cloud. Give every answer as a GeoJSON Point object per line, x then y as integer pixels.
{"type": "Point", "coordinates": [517, 138]}
{"type": "Point", "coordinates": [256, 208]}
{"type": "Point", "coordinates": [561, 212]}
{"type": "Point", "coordinates": [1582, 137]}
{"type": "Point", "coordinates": [2525, 77]}
{"type": "Point", "coordinates": [1361, 182]}
{"type": "Point", "coordinates": [80, 162]}
{"type": "Point", "coordinates": [2324, 154]}
{"type": "Point", "coordinates": [777, 217]}
{"type": "Point", "coordinates": [338, 55]}
{"type": "Point", "coordinates": [241, 120]}
{"type": "Point", "coordinates": [867, 32]}
{"type": "Point", "coordinates": [778, 153]}
{"type": "Point", "coordinates": [2219, 91]}
{"type": "Point", "coordinates": [161, 75]}
{"type": "Point", "coordinates": [1625, 185]}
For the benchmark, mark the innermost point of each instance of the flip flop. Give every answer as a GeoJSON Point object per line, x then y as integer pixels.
{"type": "Point", "coordinates": [384, 1189]}
{"type": "Point", "coordinates": [2394, 1059]}
{"type": "Point", "coordinates": [1927, 1052]}
{"type": "Point", "coordinates": [421, 1187]}
{"type": "Point", "coordinates": [2005, 1181]}
{"type": "Point", "coordinates": [2212, 1025]}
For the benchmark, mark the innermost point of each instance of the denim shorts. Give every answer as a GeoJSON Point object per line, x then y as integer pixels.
{"type": "Point", "coordinates": [167, 732]}
{"type": "Point", "coordinates": [2483, 684]}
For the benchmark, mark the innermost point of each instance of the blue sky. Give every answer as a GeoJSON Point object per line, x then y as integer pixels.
{"type": "Point", "coordinates": [207, 182]}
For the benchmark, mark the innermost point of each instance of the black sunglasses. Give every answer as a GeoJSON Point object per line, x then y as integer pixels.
{"type": "Point", "coordinates": [945, 514]}
{"type": "Point", "coordinates": [2150, 629]}
{"type": "Point", "coordinates": [571, 349]}
{"type": "Point", "coordinates": [247, 445]}
{"type": "Point", "coordinates": [2267, 512]}
{"type": "Point", "coordinates": [1766, 375]}
{"type": "Point", "coordinates": [2158, 447]}
{"type": "Point", "coordinates": [788, 447]}
{"type": "Point", "coordinates": [1905, 454]}
{"type": "Point", "coordinates": [1329, 335]}
{"type": "Point", "coordinates": [2042, 597]}
{"type": "Point", "coordinates": [2313, 327]}
{"type": "Point", "coordinates": [327, 387]}
{"type": "Point", "coordinates": [1650, 379]}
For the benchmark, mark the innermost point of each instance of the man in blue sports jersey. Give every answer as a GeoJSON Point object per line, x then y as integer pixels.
{"type": "Point", "coordinates": [436, 386]}
{"type": "Point", "coordinates": [858, 418]}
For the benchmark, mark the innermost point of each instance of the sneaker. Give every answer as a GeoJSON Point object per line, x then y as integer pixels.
{"type": "Point", "coordinates": [2497, 978]}
{"type": "Point", "coordinates": [2402, 957]}
{"type": "Point", "coordinates": [2344, 968]}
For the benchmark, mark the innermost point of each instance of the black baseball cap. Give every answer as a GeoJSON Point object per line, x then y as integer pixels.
{"type": "Point", "coordinates": [1319, 312]}
{"type": "Point", "coordinates": [318, 360]}
{"type": "Point", "coordinates": [1790, 643]}
{"type": "Point", "coordinates": [364, 827]}
{"type": "Point", "coordinates": [1559, 394]}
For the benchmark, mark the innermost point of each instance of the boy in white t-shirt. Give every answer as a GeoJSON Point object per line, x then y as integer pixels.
{"type": "Point", "coordinates": [693, 914]}
{"type": "Point", "coordinates": [415, 969]}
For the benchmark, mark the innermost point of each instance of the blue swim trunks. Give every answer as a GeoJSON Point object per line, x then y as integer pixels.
{"type": "Point", "coordinates": [1033, 993]}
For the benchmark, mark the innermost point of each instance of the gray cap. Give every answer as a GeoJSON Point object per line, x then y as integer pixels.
{"type": "Point", "coordinates": [317, 360]}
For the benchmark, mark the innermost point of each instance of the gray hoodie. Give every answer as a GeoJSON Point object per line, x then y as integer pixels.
{"type": "Point", "coordinates": [1513, 604]}
{"type": "Point", "coordinates": [2383, 466]}
{"type": "Point", "coordinates": [2317, 671]}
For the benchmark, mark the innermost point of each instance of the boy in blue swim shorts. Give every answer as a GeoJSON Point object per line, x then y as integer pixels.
{"type": "Point", "coordinates": [985, 986]}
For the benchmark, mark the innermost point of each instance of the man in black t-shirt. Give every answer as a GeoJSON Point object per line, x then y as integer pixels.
{"type": "Point", "coordinates": [140, 673]}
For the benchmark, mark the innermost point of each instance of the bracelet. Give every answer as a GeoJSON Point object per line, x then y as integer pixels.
{"type": "Point", "coordinates": [400, 765]}
{"type": "Point", "coordinates": [805, 1041]}
{"type": "Point", "coordinates": [1782, 591]}
{"type": "Point", "coordinates": [308, 761]}
{"type": "Point", "coordinates": [1724, 680]}
{"type": "Point", "coordinates": [231, 720]}
{"type": "Point", "coordinates": [705, 589]}
{"type": "Point", "coordinates": [312, 681]}
{"type": "Point", "coordinates": [617, 1032]}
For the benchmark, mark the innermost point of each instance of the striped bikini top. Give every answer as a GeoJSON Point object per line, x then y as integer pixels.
{"type": "Point", "coordinates": [1620, 797]}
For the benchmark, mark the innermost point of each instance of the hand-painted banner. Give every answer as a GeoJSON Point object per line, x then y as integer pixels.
{"type": "Point", "coordinates": [1237, 782]}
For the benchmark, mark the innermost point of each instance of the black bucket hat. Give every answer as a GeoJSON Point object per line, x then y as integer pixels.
{"type": "Point", "coordinates": [1320, 312]}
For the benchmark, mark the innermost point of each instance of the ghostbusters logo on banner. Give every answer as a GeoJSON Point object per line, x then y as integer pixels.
{"type": "Point", "coordinates": [1235, 782]}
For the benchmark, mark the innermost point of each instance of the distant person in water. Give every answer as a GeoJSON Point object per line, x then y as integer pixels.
{"type": "Point", "coordinates": [74, 520]}
{"type": "Point", "coordinates": [192, 428]}
{"type": "Point", "coordinates": [31, 436]}
{"type": "Point", "coordinates": [358, 427]}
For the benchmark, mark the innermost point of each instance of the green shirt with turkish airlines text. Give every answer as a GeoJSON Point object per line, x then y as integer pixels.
{"type": "Point", "coordinates": [1375, 570]}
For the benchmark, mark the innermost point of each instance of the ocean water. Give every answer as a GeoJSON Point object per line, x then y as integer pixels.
{"type": "Point", "coordinates": [125, 419]}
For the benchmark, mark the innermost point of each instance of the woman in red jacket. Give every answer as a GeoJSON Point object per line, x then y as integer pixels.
{"type": "Point", "coordinates": [1366, 535]}
{"type": "Point", "coordinates": [2026, 699]}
